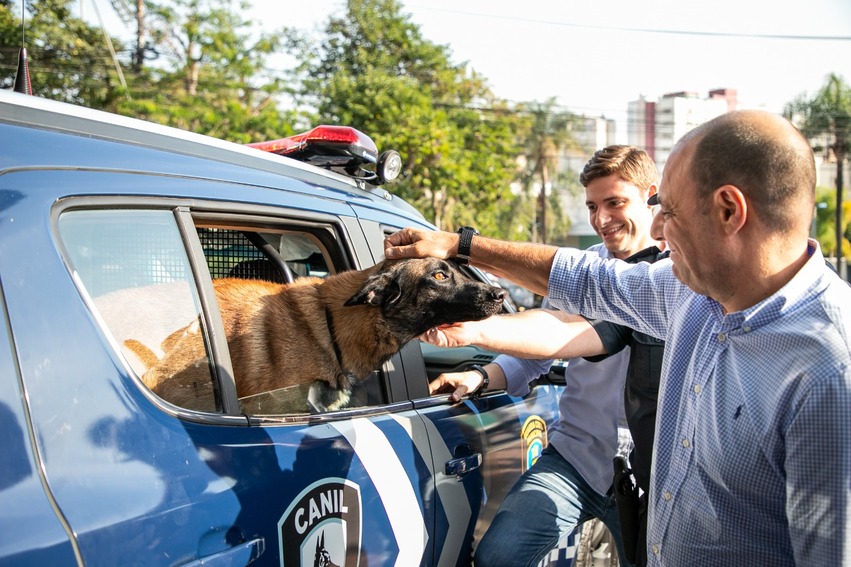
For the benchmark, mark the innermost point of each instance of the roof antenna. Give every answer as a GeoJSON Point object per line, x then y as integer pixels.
{"type": "Point", "coordinates": [22, 77]}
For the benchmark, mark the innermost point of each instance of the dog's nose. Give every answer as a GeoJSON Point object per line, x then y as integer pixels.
{"type": "Point", "coordinates": [497, 294]}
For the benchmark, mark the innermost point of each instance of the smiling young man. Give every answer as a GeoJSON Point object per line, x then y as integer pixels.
{"type": "Point", "coordinates": [571, 482]}
{"type": "Point", "coordinates": [752, 462]}
{"type": "Point", "coordinates": [617, 206]}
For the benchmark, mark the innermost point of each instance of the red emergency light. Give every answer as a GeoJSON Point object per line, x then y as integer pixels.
{"type": "Point", "coordinates": [338, 147]}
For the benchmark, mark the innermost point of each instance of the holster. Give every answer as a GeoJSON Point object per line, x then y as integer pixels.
{"type": "Point", "coordinates": [626, 496]}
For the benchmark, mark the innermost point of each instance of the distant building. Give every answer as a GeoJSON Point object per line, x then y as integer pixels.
{"type": "Point", "coordinates": [656, 125]}
{"type": "Point", "coordinates": [590, 134]}
{"type": "Point", "coordinates": [826, 172]}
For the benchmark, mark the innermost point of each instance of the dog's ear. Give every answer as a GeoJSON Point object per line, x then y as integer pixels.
{"type": "Point", "coordinates": [379, 289]}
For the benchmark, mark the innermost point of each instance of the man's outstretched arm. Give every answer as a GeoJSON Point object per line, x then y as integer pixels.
{"type": "Point", "coordinates": [523, 263]}
{"type": "Point", "coordinates": [534, 333]}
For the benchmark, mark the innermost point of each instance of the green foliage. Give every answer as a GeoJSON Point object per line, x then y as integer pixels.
{"type": "Point", "coordinates": [206, 70]}
{"type": "Point", "coordinates": [549, 135]}
{"type": "Point", "coordinates": [373, 70]}
{"type": "Point", "coordinates": [825, 218]}
{"type": "Point", "coordinates": [826, 117]}
{"type": "Point", "coordinates": [210, 78]}
{"type": "Point", "coordinates": [826, 121]}
{"type": "Point", "coordinates": [207, 80]}
{"type": "Point", "coordinates": [69, 60]}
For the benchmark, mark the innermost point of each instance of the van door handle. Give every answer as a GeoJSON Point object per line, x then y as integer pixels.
{"type": "Point", "coordinates": [242, 554]}
{"type": "Point", "coordinates": [465, 461]}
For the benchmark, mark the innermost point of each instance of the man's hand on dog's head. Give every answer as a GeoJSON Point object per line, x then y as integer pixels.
{"type": "Point", "coordinates": [418, 243]}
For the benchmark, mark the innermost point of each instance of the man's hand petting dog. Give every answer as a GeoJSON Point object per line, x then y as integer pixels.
{"type": "Point", "coordinates": [452, 335]}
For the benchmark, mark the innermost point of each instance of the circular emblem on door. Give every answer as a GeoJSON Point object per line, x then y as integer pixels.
{"type": "Point", "coordinates": [534, 437]}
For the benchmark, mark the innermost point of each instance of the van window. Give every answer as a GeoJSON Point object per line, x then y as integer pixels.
{"type": "Point", "coordinates": [280, 255]}
{"type": "Point", "coordinates": [133, 266]}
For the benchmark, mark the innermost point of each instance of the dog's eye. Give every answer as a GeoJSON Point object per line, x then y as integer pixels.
{"type": "Point", "coordinates": [440, 276]}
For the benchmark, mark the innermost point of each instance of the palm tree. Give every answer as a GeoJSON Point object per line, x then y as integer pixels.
{"type": "Point", "coordinates": [826, 118]}
{"type": "Point", "coordinates": [550, 133]}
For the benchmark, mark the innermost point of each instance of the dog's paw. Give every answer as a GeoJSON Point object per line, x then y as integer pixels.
{"type": "Point", "coordinates": [323, 397]}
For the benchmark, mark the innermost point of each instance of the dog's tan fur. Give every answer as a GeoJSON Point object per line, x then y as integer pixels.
{"type": "Point", "coordinates": [278, 334]}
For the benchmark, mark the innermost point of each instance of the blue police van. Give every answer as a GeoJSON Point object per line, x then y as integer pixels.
{"type": "Point", "coordinates": [98, 470]}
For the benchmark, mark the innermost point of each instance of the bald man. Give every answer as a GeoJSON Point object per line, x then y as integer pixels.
{"type": "Point", "coordinates": [752, 463]}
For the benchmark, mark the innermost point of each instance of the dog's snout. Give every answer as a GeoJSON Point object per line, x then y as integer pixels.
{"type": "Point", "coordinates": [497, 294]}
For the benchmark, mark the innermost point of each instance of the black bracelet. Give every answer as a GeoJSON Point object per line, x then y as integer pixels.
{"type": "Point", "coordinates": [486, 380]}
{"type": "Point", "coordinates": [465, 243]}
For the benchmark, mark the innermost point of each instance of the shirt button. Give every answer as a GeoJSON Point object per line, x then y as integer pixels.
{"type": "Point", "coordinates": [697, 388]}
{"type": "Point", "coordinates": [746, 329]}
{"type": "Point", "coordinates": [722, 337]}
{"type": "Point", "coordinates": [667, 496]}
{"type": "Point", "coordinates": [686, 443]}
{"type": "Point", "coordinates": [655, 549]}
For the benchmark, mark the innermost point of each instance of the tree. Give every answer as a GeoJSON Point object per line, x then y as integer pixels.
{"type": "Point", "coordinates": [550, 133]}
{"type": "Point", "coordinates": [824, 221]}
{"type": "Point", "coordinates": [520, 217]}
{"type": "Point", "coordinates": [210, 79]}
{"type": "Point", "coordinates": [373, 70]}
{"type": "Point", "coordinates": [826, 118]}
{"type": "Point", "coordinates": [69, 60]}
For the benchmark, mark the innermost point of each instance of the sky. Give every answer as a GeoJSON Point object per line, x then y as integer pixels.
{"type": "Point", "coordinates": [595, 56]}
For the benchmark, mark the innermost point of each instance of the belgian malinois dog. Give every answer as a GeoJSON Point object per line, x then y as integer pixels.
{"type": "Point", "coordinates": [328, 333]}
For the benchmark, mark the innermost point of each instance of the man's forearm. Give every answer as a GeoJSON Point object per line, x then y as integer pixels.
{"type": "Point", "coordinates": [523, 263]}
{"type": "Point", "coordinates": [526, 264]}
{"type": "Point", "coordinates": [539, 334]}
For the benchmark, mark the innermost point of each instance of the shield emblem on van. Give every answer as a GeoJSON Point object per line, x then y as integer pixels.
{"type": "Point", "coordinates": [322, 526]}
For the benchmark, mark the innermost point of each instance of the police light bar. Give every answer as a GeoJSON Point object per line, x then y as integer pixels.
{"type": "Point", "coordinates": [337, 147]}
{"type": "Point", "coordinates": [324, 143]}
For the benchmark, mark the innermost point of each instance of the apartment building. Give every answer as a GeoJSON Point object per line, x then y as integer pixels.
{"type": "Point", "coordinates": [656, 125]}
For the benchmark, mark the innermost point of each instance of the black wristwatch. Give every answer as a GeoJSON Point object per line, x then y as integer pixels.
{"type": "Point", "coordinates": [486, 380]}
{"type": "Point", "coordinates": [464, 243]}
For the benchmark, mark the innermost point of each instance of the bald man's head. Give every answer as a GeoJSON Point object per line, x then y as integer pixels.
{"type": "Point", "coordinates": [763, 155]}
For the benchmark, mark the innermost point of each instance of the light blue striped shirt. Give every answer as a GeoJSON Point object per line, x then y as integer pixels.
{"type": "Point", "coordinates": [752, 462]}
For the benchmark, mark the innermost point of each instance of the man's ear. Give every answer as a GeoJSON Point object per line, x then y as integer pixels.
{"type": "Point", "coordinates": [379, 289]}
{"type": "Point", "coordinates": [732, 207]}
{"type": "Point", "coordinates": [652, 190]}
